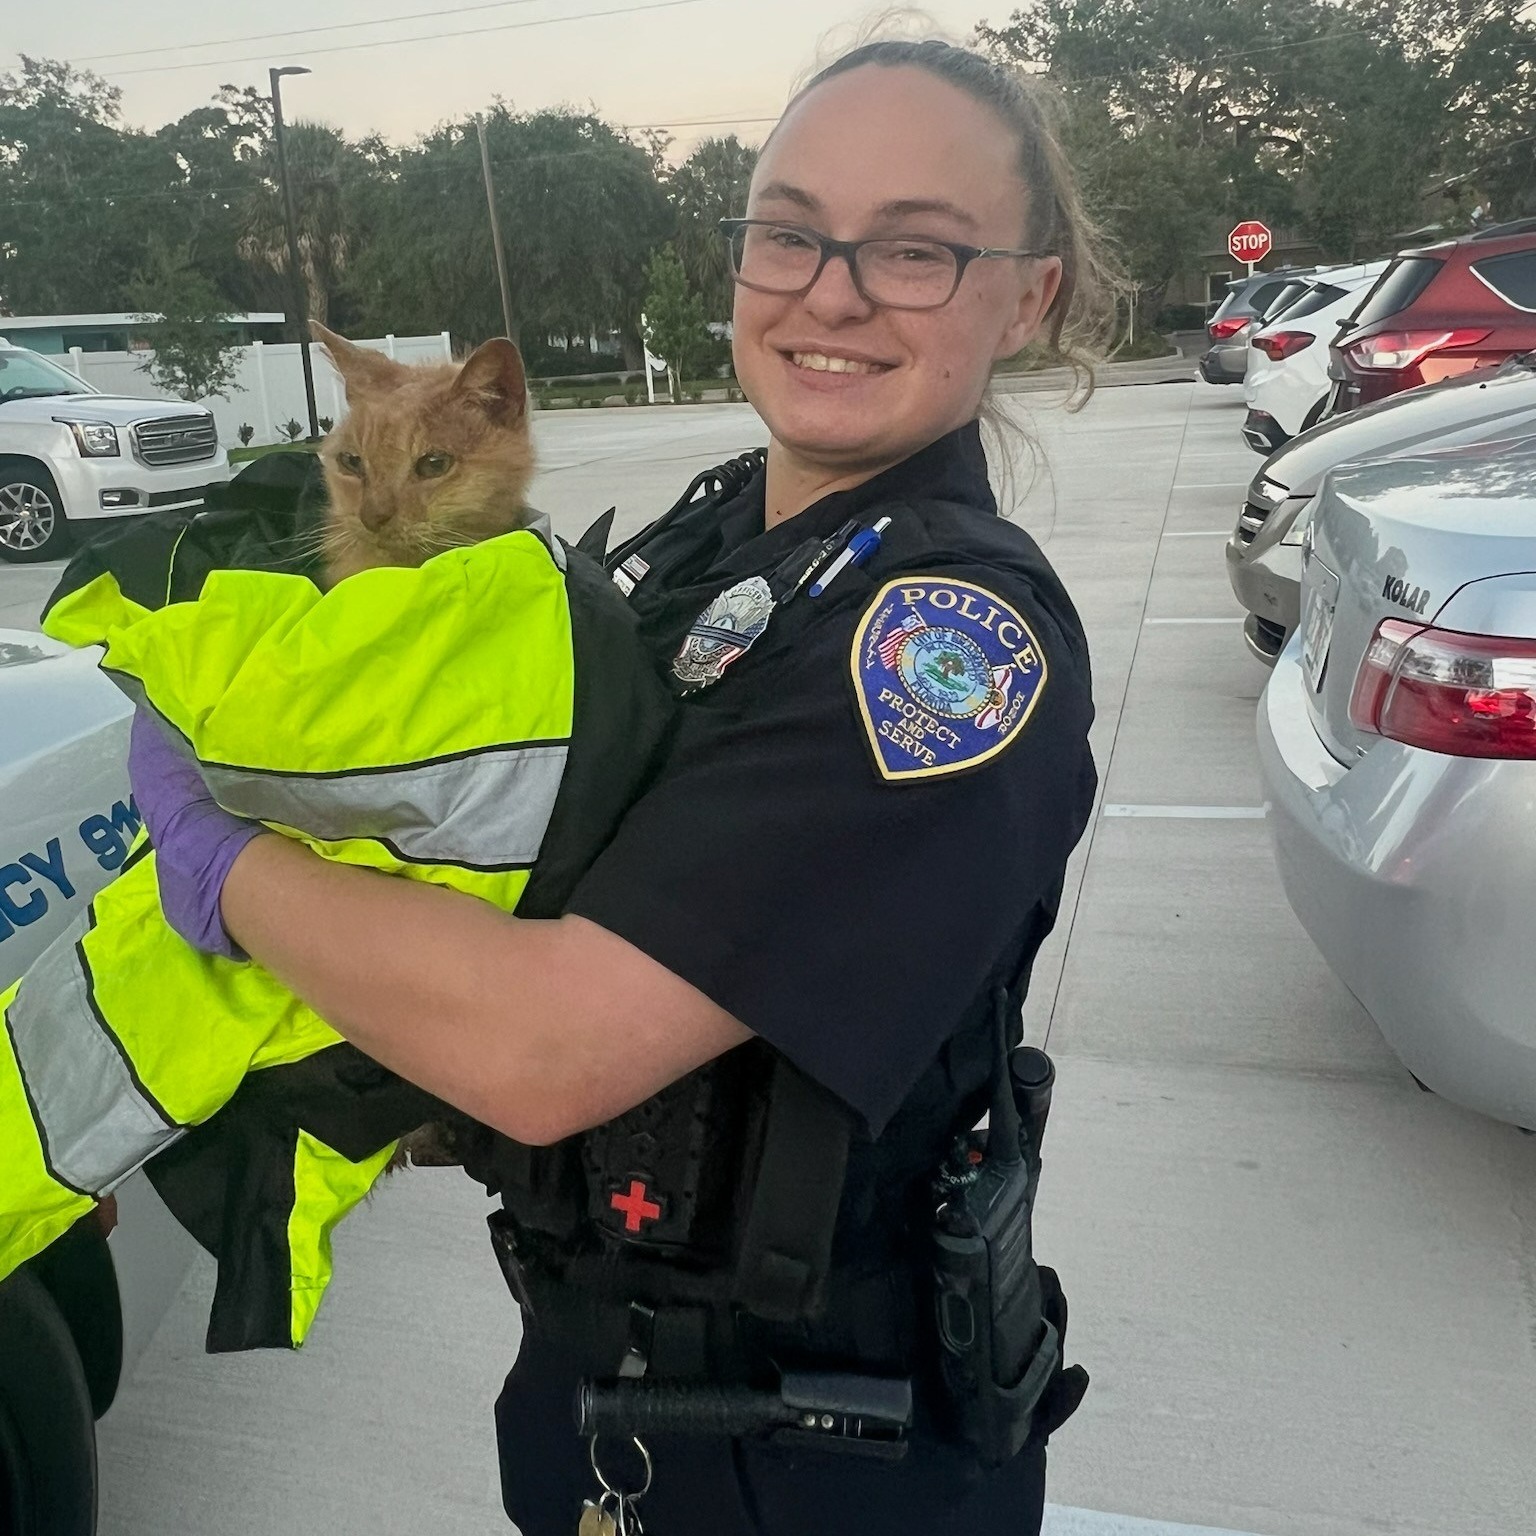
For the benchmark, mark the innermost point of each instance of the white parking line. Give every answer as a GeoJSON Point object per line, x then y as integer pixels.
{"type": "Point", "coordinates": [1063, 1521]}
{"type": "Point", "coordinates": [1201, 533]}
{"type": "Point", "coordinates": [1189, 812]}
{"type": "Point", "coordinates": [1215, 485]}
{"type": "Point", "coordinates": [1236, 620]}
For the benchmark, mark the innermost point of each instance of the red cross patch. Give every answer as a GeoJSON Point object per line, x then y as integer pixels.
{"type": "Point", "coordinates": [637, 1206]}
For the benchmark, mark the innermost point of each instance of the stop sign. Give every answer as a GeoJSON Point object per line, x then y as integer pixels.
{"type": "Point", "coordinates": [1249, 242]}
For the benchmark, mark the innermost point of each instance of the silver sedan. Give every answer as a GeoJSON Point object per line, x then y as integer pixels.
{"type": "Point", "coordinates": [1264, 551]}
{"type": "Point", "coordinates": [1397, 743]}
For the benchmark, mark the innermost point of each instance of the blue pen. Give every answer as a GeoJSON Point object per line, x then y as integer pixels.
{"type": "Point", "coordinates": [860, 547]}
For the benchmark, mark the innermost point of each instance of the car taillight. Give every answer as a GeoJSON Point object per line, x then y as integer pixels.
{"type": "Point", "coordinates": [1402, 349]}
{"type": "Point", "coordinates": [1279, 345]}
{"type": "Point", "coordinates": [1463, 695]}
{"type": "Point", "coordinates": [1220, 330]}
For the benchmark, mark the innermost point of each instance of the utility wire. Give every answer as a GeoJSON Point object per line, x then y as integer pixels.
{"type": "Point", "coordinates": [197, 192]}
{"type": "Point", "coordinates": [335, 26]}
{"type": "Point", "coordinates": [702, 122]}
{"type": "Point", "coordinates": [395, 42]}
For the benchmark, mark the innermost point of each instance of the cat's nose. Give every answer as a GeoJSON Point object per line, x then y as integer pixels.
{"type": "Point", "coordinates": [375, 515]}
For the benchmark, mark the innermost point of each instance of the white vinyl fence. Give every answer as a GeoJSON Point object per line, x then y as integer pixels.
{"type": "Point", "coordinates": [269, 382]}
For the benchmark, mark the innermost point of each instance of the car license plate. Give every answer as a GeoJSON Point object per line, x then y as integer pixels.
{"type": "Point", "coordinates": [1322, 600]}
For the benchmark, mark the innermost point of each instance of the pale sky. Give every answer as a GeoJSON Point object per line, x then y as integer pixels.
{"type": "Point", "coordinates": [663, 63]}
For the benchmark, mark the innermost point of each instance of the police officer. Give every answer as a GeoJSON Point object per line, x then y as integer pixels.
{"type": "Point", "coordinates": [849, 853]}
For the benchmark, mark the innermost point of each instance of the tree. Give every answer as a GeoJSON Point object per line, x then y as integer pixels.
{"type": "Point", "coordinates": [710, 185]}
{"type": "Point", "coordinates": [674, 317]}
{"type": "Point", "coordinates": [320, 163]}
{"type": "Point", "coordinates": [76, 190]}
{"type": "Point", "coordinates": [194, 356]}
{"type": "Point", "coordinates": [1315, 112]}
{"type": "Point", "coordinates": [580, 207]}
{"type": "Point", "coordinates": [1155, 194]}
{"type": "Point", "coordinates": [81, 196]}
{"type": "Point", "coordinates": [1483, 53]}
{"type": "Point", "coordinates": [1347, 119]}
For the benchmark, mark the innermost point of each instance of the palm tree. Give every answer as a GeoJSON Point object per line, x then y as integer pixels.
{"type": "Point", "coordinates": [319, 161]}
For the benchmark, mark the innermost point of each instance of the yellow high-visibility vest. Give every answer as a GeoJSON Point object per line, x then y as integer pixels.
{"type": "Point", "coordinates": [413, 721]}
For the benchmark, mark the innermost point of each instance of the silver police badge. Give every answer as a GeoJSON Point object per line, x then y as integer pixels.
{"type": "Point", "coordinates": [724, 631]}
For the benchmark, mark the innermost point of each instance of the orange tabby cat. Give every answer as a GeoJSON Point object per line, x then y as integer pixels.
{"type": "Point", "coordinates": [428, 457]}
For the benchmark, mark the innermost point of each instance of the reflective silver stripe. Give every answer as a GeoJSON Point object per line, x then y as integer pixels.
{"type": "Point", "coordinates": [96, 1121]}
{"type": "Point", "coordinates": [537, 522]}
{"type": "Point", "coordinates": [486, 810]}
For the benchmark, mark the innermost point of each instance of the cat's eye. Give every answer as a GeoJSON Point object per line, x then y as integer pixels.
{"type": "Point", "coordinates": [350, 463]}
{"type": "Point", "coordinates": [430, 465]}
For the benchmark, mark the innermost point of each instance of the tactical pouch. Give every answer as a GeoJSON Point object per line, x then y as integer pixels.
{"type": "Point", "coordinates": [662, 1176]}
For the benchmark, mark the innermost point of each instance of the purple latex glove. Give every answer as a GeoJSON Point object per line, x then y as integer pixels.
{"type": "Point", "coordinates": [195, 840]}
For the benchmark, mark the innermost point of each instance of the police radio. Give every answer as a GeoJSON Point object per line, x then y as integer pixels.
{"type": "Point", "coordinates": [1000, 1352]}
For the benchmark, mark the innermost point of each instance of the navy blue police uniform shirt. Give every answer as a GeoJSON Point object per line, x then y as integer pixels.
{"type": "Point", "coordinates": [862, 827]}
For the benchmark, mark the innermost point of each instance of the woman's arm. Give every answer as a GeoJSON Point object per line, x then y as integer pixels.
{"type": "Point", "coordinates": [536, 1028]}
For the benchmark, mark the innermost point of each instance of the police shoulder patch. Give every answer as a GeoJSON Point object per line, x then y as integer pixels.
{"type": "Point", "coordinates": [946, 674]}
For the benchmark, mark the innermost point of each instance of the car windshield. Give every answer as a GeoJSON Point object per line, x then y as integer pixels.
{"type": "Point", "coordinates": [26, 376]}
{"type": "Point", "coordinates": [1397, 288]}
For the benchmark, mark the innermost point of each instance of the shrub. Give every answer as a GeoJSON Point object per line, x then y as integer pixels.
{"type": "Point", "coordinates": [245, 434]}
{"type": "Point", "coordinates": [291, 430]}
{"type": "Point", "coordinates": [696, 395]}
{"type": "Point", "coordinates": [1181, 317]}
{"type": "Point", "coordinates": [574, 381]}
{"type": "Point", "coordinates": [326, 423]}
{"type": "Point", "coordinates": [632, 394]}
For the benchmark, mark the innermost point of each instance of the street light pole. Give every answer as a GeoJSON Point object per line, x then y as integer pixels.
{"type": "Point", "coordinates": [501, 255]}
{"type": "Point", "coordinates": [295, 276]}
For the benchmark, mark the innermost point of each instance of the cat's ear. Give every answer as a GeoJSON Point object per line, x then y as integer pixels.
{"type": "Point", "coordinates": [492, 376]}
{"type": "Point", "coordinates": [360, 368]}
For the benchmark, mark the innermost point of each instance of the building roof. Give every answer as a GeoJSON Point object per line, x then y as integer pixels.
{"type": "Point", "coordinates": [97, 322]}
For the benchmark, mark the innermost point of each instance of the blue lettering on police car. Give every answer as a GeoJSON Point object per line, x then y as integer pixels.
{"type": "Point", "coordinates": [50, 865]}
{"type": "Point", "coordinates": [946, 675]}
{"type": "Point", "coordinates": [30, 883]}
{"type": "Point", "coordinates": [110, 837]}
{"type": "Point", "coordinates": [13, 909]}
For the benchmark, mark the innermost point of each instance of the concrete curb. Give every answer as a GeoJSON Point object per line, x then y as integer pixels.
{"type": "Point", "coordinates": [1173, 369]}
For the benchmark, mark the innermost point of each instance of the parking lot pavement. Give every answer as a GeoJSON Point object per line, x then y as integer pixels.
{"type": "Point", "coordinates": [1305, 1290]}
{"type": "Point", "coordinates": [23, 591]}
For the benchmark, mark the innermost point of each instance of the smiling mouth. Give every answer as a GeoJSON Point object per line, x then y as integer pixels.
{"type": "Point", "coordinates": [821, 362]}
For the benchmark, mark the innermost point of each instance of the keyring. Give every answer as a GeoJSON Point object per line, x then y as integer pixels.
{"type": "Point", "coordinates": [608, 1487]}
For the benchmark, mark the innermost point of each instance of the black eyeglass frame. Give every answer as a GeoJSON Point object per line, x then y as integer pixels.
{"type": "Point", "coordinates": [849, 250]}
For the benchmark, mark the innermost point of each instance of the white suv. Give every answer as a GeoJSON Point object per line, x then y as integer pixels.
{"type": "Point", "coordinates": [1286, 385]}
{"type": "Point", "coordinates": [69, 454]}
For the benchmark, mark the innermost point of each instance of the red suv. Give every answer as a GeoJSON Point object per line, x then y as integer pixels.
{"type": "Point", "coordinates": [1443, 310]}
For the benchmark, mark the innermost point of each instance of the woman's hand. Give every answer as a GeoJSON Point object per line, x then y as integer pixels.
{"type": "Point", "coordinates": [195, 840]}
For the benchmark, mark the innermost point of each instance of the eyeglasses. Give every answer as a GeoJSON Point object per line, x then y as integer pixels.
{"type": "Point", "coordinates": [893, 273]}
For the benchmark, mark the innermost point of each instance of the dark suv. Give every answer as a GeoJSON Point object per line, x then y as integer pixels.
{"type": "Point", "coordinates": [1438, 312]}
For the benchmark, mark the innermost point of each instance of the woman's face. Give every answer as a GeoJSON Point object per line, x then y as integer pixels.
{"type": "Point", "coordinates": [887, 151]}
